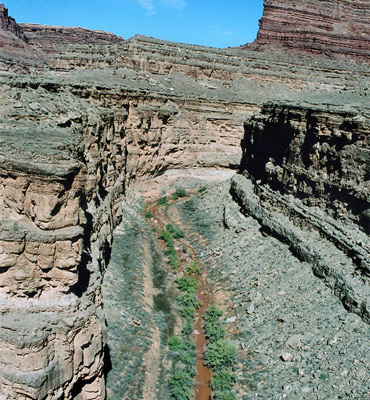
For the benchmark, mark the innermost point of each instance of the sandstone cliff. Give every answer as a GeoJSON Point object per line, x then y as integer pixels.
{"type": "Point", "coordinates": [50, 38]}
{"type": "Point", "coordinates": [15, 53]}
{"type": "Point", "coordinates": [339, 27]}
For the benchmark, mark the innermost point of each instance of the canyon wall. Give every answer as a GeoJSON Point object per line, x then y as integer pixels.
{"type": "Point", "coordinates": [50, 38]}
{"type": "Point", "coordinates": [63, 178]}
{"type": "Point", "coordinates": [322, 156]}
{"type": "Point", "coordinates": [7, 23]}
{"type": "Point", "coordinates": [339, 27]}
{"type": "Point", "coordinates": [107, 114]}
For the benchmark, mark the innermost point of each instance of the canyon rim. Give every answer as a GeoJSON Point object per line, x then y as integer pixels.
{"type": "Point", "coordinates": [278, 130]}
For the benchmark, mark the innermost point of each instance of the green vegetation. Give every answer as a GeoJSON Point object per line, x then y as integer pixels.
{"type": "Point", "coordinates": [181, 383]}
{"type": "Point", "coordinates": [225, 395]}
{"type": "Point", "coordinates": [176, 233]}
{"type": "Point", "coordinates": [188, 285]}
{"type": "Point", "coordinates": [222, 380]}
{"type": "Point", "coordinates": [185, 248]}
{"type": "Point", "coordinates": [170, 252]}
{"type": "Point", "coordinates": [183, 349]}
{"type": "Point", "coordinates": [214, 329]}
{"type": "Point", "coordinates": [168, 236]}
{"type": "Point", "coordinates": [187, 301]}
{"type": "Point", "coordinates": [193, 268]}
{"type": "Point", "coordinates": [219, 355]}
{"type": "Point", "coordinates": [148, 214]}
{"type": "Point", "coordinates": [202, 189]}
{"type": "Point", "coordinates": [162, 201]}
{"type": "Point", "coordinates": [179, 193]}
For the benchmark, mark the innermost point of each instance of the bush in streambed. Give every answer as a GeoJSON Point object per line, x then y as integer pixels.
{"type": "Point", "coordinates": [188, 304]}
{"type": "Point", "coordinates": [179, 193]}
{"type": "Point", "coordinates": [180, 384]}
{"type": "Point", "coordinates": [162, 201]}
{"type": "Point", "coordinates": [193, 268]}
{"type": "Point", "coordinates": [214, 329]}
{"type": "Point", "coordinates": [148, 214]}
{"type": "Point", "coordinates": [219, 354]}
{"type": "Point", "coordinates": [189, 285]}
{"type": "Point", "coordinates": [176, 343]}
{"type": "Point", "coordinates": [166, 236]}
{"type": "Point", "coordinates": [222, 380]}
{"type": "Point", "coordinates": [225, 395]}
{"type": "Point", "coordinates": [175, 232]}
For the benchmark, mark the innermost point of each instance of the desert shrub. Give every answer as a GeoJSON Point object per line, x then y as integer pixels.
{"type": "Point", "coordinates": [185, 248]}
{"type": "Point", "coordinates": [225, 395]}
{"type": "Point", "coordinates": [219, 354]}
{"type": "Point", "coordinates": [188, 328]}
{"type": "Point", "coordinates": [222, 380]}
{"type": "Point", "coordinates": [193, 268]}
{"type": "Point", "coordinates": [166, 236]}
{"type": "Point", "coordinates": [179, 193]}
{"type": "Point", "coordinates": [180, 384]}
{"type": "Point", "coordinates": [148, 214]}
{"type": "Point", "coordinates": [202, 189]}
{"type": "Point", "coordinates": [214, 328]}
{"type": "Point", "coordinates": [176, 344]}
{"type": "Point", "coordinates": [187, 305]}
{"type": "Point", "coordinates": [175, 232]}
{"type": "Point", "coordinates": [188, 285]}
{"type": "Point", "coordinates": [162, 201]}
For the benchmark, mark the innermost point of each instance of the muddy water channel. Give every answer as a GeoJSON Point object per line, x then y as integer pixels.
{"type": "Point", "coordinates": [163, 216]}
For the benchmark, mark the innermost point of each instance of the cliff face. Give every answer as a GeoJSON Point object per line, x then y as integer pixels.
{"type": "Point", "coordinates": [338, 27]}
{"type": "Point", "coordinates": [321, 156]}
{"type": "Point", "coordinates": [8, 23]}
{"type": "Point", "coordinates": [109, 114]}
{"type": "Point", "coordinates": [50, 38]}
{"type": "Point", "coordinates": [15, 53]}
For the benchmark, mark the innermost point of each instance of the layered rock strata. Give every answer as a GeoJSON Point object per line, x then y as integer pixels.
{"type": "Point", "coordinates": [49, 39]}
{"type": "Point", "coordinates": [336, 28]}
{"type": "Point", "coordinates": [15, 53]}
{"type": "Point", "coordinates": [322, 156]}
{"type": "Point", "coordinates": [102, 117]}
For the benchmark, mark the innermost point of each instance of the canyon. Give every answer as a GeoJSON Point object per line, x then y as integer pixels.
{"type": "Point", "coordinates": [277, 130]}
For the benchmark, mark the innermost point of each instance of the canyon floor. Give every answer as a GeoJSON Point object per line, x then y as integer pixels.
{"type": "Point", "coordinates": [295, 338]}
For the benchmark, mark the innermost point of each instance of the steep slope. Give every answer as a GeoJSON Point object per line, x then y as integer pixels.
{"type": "Point", "coordinates": [334, 28]}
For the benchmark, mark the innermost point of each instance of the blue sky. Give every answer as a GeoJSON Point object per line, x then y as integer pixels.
{"type": "Point", "coordinates": [216, 23]}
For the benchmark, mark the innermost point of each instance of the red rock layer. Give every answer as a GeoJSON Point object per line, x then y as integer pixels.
{"type": "Point", "coordinates": [50, 38]}
{"type": "Point", "coordinates": [317, 26]}
{"type": "Point", "coordinates": [15, 53]}
{"type": "Point", "coordinates": [8, 23]}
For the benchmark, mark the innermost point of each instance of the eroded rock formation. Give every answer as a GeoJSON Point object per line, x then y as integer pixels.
{"type": "Point", "coordinates": [339, 27]}
{"type": "Point", "coordinates": [50, 38]}
{"type": "Point", "coordinates": [100, 114]}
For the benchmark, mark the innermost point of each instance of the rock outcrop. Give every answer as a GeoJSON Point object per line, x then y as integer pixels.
{"type": "Point", "coordinates": [15, 54]}
{"type": "Point", "coordinates": [7, 23]}
{"type": "Point", "coordinates": [339, 27]}
{"type": "Point", "coordinates": [50, 38]}
{"type": "Point", "coordinates": [321, 156]}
